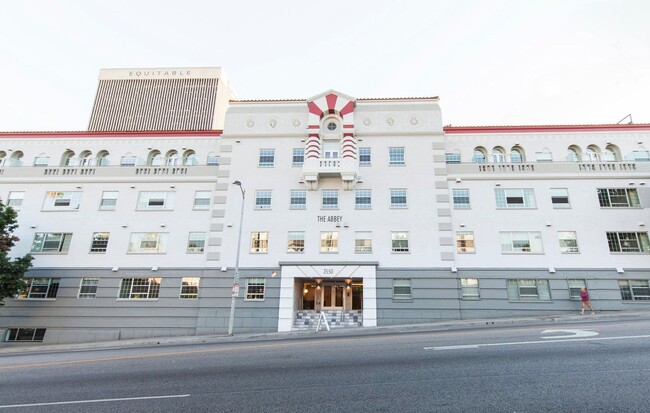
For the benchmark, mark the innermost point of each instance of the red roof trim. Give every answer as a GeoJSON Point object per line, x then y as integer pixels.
{"type": "Point", "coordinates": [543, 128]}
{"type": "Point", "coordinates": [104, 134]}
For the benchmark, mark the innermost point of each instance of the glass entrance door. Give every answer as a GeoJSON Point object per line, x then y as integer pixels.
{"type": "Point", "coordinates": [333, 296]}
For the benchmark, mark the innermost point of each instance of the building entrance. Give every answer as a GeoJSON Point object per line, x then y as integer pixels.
{"type": "Point", "coordinates": [333, 296]}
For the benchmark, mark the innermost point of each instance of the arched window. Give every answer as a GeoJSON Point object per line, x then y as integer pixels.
{"type": "Point", "coordinates": [517, 155]}
{"type": "Point", "coordinates": [612, 153]}
{"type": "Point", "coordinates": [592, 153]}
{"type": "Point", "coordinates": [480, 155]}
{"type": "Point", "coordinates": [68, 158]}
{"type": "Point", "coordinates": [3, 157]}
{"type": "Point", "coordinates": [16, 159]}
{"type": "Point", "coordinates": [85, 158]}
{"type": "Point", "coordinates": [498, 155]}
{"type": "Point", "coordinates": [102, 158]}
{"type": "Point", "coordinates": [573, 154]}
{"type": "Point", "coordinates": [155, 158]}
{"type": "Point", "coordinates": [189, 158]}
{"type": "Point", "coordinates": [172, 158]}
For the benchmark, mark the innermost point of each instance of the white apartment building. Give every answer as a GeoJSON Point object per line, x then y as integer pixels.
{"type": "Point", "coordinates": [366, 211]}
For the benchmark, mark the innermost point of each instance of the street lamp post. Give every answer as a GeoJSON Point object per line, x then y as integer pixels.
{"type": "Point", "coordinates": [235, 283]}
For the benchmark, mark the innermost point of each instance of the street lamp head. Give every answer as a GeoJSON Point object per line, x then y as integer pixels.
{"type": "Point", "coordinates": [238, 183]}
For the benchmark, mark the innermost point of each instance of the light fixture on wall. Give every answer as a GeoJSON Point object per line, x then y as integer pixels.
{"type": "Point", "coordinates": [551, 270]}
{"type": "Point", "coordinates": [548, 224]}
{"type": "Point", "coordinates": [124, 225]}
{"type": "Point", "coordinates": [462, 225]}
{"type": "Point", "coordinates": [641, 224]}
{"type": "Point", "coordinates": [224, 269]}
{"type": "Point", "coordinates": [458, 180]}
{"type": "Point", "coordinates": [497, 184]}
{"type": "Point", "coordinates": [154, 268]}
{"type": "Point", "coordinates": [163, 225]}
{"type": "Point", "coordinates": [620, 270]}
{"type": "Point", "coordinates": [115, 269]}
{"type": "Point", "coordinates": [32, 226]}
{"type": "Point", "coordinates": [454, 269]}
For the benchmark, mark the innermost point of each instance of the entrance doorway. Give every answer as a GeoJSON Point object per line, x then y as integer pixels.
{"type": "Point", "coordinates": [333, 296]}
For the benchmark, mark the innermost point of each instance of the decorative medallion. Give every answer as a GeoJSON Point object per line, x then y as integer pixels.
{"type": "Point", "coordinates": [414, 121]}
{"type": "Point", "coordinates": [273, 123]}
{"type": "Point", "coordinates": [250, 123]}
{"type": "Point", "coordinates": [295, 122]}
{"type": "Point", "coordinates": [390, 122]}
{"type": "Point", "coordinates": [367, 122]}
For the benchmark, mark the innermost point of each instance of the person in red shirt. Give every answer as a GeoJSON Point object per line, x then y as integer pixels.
{"type": "Point", "coordinates": [584, 297]}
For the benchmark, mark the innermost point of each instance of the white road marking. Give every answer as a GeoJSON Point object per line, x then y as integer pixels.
{"type": "Point", "coordinates": [572, 333]}
{"type": "Point", "coordinates": [518, 343]}
{"type": "Point", "coordinates": [94, 401]}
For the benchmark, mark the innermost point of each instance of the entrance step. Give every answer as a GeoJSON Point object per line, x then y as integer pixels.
{"type": "Point", "coordinates": [308, 319]}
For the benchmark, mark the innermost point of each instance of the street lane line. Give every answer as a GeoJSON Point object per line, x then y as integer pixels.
{"type": "Point", "coordinates": [95, 401]}
{"type": "Point", "coordinates": [572, 333]}
{"type": "Point", "coordinates": [519, 343]}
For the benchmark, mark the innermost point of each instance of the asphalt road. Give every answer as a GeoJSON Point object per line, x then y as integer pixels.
{"type": "Point", "coordinates": [587, 366]}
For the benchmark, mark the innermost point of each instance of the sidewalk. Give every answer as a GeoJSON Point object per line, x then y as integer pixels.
{"type": "Point", "coordinates": [23, 348]}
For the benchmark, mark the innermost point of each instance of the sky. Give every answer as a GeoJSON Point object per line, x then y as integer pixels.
{"type": "Point", "coordinates": [491, 62]}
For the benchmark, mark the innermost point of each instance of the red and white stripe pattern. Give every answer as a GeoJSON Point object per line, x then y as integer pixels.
{"type": "Point", "coordinates": [328, 104]}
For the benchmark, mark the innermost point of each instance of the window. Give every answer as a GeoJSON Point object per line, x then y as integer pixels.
{"type": "Point", "coordinates": [330, 199]}
{"type": "Point", "coordinates": [260, 242]}
{"type": "Point", "coordinates": [398, 198]}
{"type": "Point", "coordinates": [266, 158]}
{"type": "Point", "coordinates": [212, 160]}
{"type": "Point", "coordinates": [401, 289]}
{"type": "Point", "coordinates": [544, 156]}
{"type": "Point", "coordinates": [25, 334]}
{"type": "Point", "coordinates": [515, 198]}
{"type": "Point", "coordinates": [362, 199]}
{"type": "Point", "coordinates": [196, 243]}
{"type": "Point", "coordinates": [641, 156]}
{"type": "Point", "coordinates": [298, 199]}
{"type": "Point", "coordinates": [329, 241]}
{"type": "Point", "coordinates": [40, 288]}
{"type": "Point", "coordinates": [362, 242]}
{"type": "Point", "coordinates": [480, 155]}
{"type": "Point", "coordinates": [202, 200]}
{"type": "Point", "coordinates": [469, 289]}
{"type": "Point", "coordinates": [634, 290]}
{"type": "Point", "coordinates": [516, 155]}
{"type": "Point", "coordinates": [139, 288]}
{"type": "Point", "coordinates": [498, 155]}
{"type": "Point", "coordinates": [575, 287]}
{"type": "Point", "coordinates": [465, 242]}
{"type": "Point", "coordinates": [573, 154]}
{"type": "Point", "coordinates": [568, 242]}
{"type": "Point", "coordinates": [61, 201]}
{"type": "Point", "coordinates": [461, 198]}
{"type": "Point", "coordinates": [109, 201]}
{"type": "Point", "coordinates": [560, 198]}
{"type": "Point", "coordinates": [526, 289]}
{"type": "Point", "coordinates": [618, 198]}
{"type": "Point", "coordinates": [156, 200]}
{"type": "Point", "coordinates": [41, 161]}
{"type": "Point", "coordinates": [128, 160]}
{"type": "Point", "coordinates": [396, 156]}
{"type": "Point", "coordinates": [15, 200]}
{"type": "Point", "coordinates": [628, 242]}
{"type": "Point", "coordinates": [51, 242]}
{"type": "Point", "coordinates": [399, 241]}
{"type": "Point", "coordinates": [521, 242]}
{"type": "Point", "coordinates": [262, 199]}
{"type": "Point", "coordinates": [296, 241]}
{"type": "Point", "coordinates": [99, 242]}
{"type": "Point", "coordinates": [148, 243]}
{"type": "Point", "coordinates": [365, 157]}
{"type": "Point", "coordinates": [88, 288]}
{"type": "Point", "coordinates": [331, 148]}
{"type": "Point", "coordinates": [298, 157]}
{"type": "Point", "coordinates": [189, 287]}
{"type": "Point", "coordinates": [255, 288]}
{"type": "Point", "coordinates": [452, 157]}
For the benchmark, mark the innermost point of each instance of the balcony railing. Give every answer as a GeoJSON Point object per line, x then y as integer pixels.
{"type": "Point", "coordinates": [346, 168]}
{"type": "Point", "coordinates": [83, 172]}
{"type": "Point", "coordinates": [548, 167]}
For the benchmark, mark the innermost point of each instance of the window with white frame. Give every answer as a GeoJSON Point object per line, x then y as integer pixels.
{"type": "Point", "coordinates": [266, 158]}
{"type": "Point", "coordinates": [515, 198]}
{"type": "Point", "coordinates": [452, 157]}
{"type": "Point", "coordinates": [51, 242]}
{"type": "Point", "coordinates": [62, 201]}
{"type": "Point", "coordinates": [156, 200]}
{"type": "Point", "coordinates": [329, 241]}
{"type": "Point", "coordinates": [259, 242]}
{"type": "Point", "coordinates": [298, 199]}
{"type": "Point", "coordinates": [575, 287]}
{"type": "Point", "coordinates": [202, 200]}
{"type": "Point", "coordinates": [628, 242]}
{"type": "Point", "coordinates": [641, 156]}
{"type": "Point", "coordinates": [331, 148]}
{"type": "Point", "coordinates": [363, 242]}
{"type": "Point", "coordinates": [128, 160]}
{"type": "Point", "coordinates": [544, 156]}
{"type": "Point", "coordinates": [568, 242]}
{"type": "Point", "coordinates": [25, 334]}
{"type": "Point", "coordinates": [255, 287]}
{"type": "Point", "coordinates": [396, 156]}
{"type": "Point", "coordinates": [634, 290]}
{"type": "Point", "coordinates": [460, 198]}
{"type": "Point", "coordinates": [298, 157]}
{"type": "Point", "coordinates": [148, 243]}
{"type": "Point", "coordinates": [402, 289]}
{"type": "Point", "coordinates": [330, 199]}
{"type": "Point", "coordinates": [196, 243]}
{"type": "Point", "coordinates": [618, 198]}
{"type": "Point", "coordinates": [139, 288]}
{"type": "Point", "coordinates": [15, 200]}
{"type": "Point", "coordinates": [399, 241]}
{"type": "Point", "coordinates": [521, 242]}
{"type": "Point", "coordinates": [528, 289]}
{"type": "Point", "coordinates": [212, 160]}
{"type": "Point", "coordinates": [38, 288]}
{"type": "Point", "coordinates": [88, 288]}
{"type": "Point", "coordinates": [560, 198]}
{"type": "Point", "coordinates": [108, 201]}
{"type": "Point", "coordinates": [99, 242]}
{"type": "Point", "coordinates": [465, 242]}
{"type": "Point", "coordinates": [365, 157]}
{"type": "Point", "coordinates": [362, 198]}
{"type": "Point", "coordinates": [469, 289]}
{"type": "Point", "coordinates": [41, 161]}
{"type": "Point", "coordinates": [189, 288]}
{"type": "Point", "coordinates": [263, 199]}
{"type": "Point", "coordinates": [398, 198]}
{"type": "Point", "coordinates": [296, 242]}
